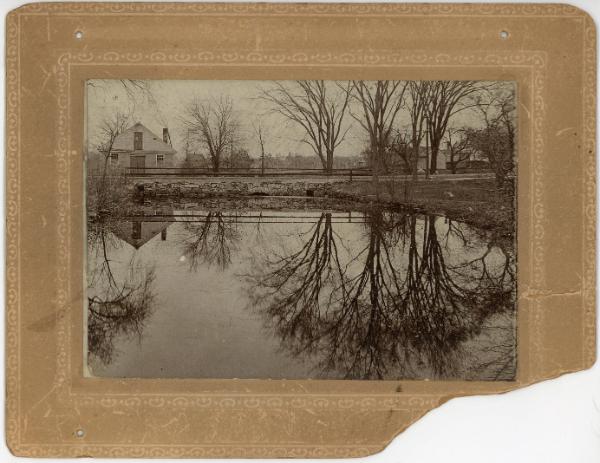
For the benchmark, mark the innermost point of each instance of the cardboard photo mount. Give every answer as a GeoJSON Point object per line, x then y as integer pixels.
{"type": "Point", "coordinates": [53, 48]}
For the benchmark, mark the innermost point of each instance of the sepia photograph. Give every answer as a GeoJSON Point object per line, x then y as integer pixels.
{"type": "Point", "coordinates": [310, 229]}
{"type": "Point", "coordinates": [301, 230]}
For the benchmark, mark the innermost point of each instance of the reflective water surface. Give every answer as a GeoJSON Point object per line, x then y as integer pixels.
{"type": "Point", "coordinates": [295, 294]}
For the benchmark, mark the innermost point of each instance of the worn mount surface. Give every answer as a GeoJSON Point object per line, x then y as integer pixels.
{"type": "Point", "coordinates": [550, 52]}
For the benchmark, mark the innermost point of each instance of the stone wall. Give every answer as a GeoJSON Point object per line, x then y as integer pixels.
{"type": "Point", "coordinates": [182, 189]}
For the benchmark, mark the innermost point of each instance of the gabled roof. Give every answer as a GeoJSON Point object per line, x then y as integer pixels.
{"type": "Point", "coordinates": [145, 231]}
{"type": "Point", "coordinates": [151, 142]}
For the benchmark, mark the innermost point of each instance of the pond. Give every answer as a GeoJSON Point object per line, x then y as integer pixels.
{"type": "Point", "coordinates": [318, 291]}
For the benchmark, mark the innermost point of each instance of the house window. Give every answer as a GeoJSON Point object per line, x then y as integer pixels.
{"type": "Point", "coordinates": [114, 158]}
{"type": "Point", "coordinates": [160, 160]}
{"type": "Point", "coordinates": [138, 140]}
{"type": "Point", "coordinates": [136, 230]}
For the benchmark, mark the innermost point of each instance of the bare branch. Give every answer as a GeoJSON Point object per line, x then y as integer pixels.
{"type": "Point", "coordinates": [312, 106]}
{"type": "Point", "coordinates": [214, 122]}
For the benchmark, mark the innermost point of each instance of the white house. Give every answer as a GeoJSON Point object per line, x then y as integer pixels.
{"type": "Point", "coordinates": [137, 147]}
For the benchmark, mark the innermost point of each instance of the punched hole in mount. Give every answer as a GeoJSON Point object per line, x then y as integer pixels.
{"type": "Point", "coordinates": [504, 35]}
{"type": "Point", "coordinates": [78, 35]}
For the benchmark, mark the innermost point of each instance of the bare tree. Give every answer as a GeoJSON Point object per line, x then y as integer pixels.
{"type": "Point", "coordinates": [110, 129]}
{"type": "Point", "coordinates": [496, 140]}
{"type": "Point", "coordinates": [320, 112]}
{"type": "Point", "coordinates": [137, 92]}
{"type": "Point", "coordinates": [400, 147]}
{"type": "Point", "coordinates": [260, 132]}
{"type": "Point", "coordinates": [380, 102]}
{"type": "Point", "coordinates": [446, 98]}
{"type": "Point", "coordinates": [458, 148]}
{"type": "Point", "coordinates": [419, 97]}
{"type": "Point", "coordinates": [105, 191]}
{"type": "Point", "coordinates": [214, 122]}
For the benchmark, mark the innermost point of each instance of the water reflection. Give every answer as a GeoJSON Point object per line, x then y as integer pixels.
{"type": "Point", "coordinates": [211, 241]}
{"type": "Point", "coordinates": [391, 307]}
{"type": "Point", "coordinates": [321, 294]}
{"type": "Point", "coordinates": [119, 300]}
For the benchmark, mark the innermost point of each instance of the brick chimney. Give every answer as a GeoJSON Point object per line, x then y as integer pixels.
{"type": "Point", "coordinates": [166, 137]}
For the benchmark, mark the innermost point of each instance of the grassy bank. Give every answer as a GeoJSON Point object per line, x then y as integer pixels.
{"type": "Point", "coordinates": [474, 201]}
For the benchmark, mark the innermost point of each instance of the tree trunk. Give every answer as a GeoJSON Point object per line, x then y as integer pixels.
{"type": "Point", "coordinates": [435, 149]}
{"type": "Point", "coordinates": [415, 163]}
{"type": "Point", "coordinates": [375, 168]}
{"type": "Point", "coordinates": [329, 167]}
{"type": "Point", "coordinates": [452, 163]}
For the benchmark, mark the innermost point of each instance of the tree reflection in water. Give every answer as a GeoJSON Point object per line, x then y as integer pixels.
{"type": "Point", "coordinates": [395, 308]}
{"type": "Point", "coordinates": [212, 241]}
{"type": "Point", "coordinates": [120, 296]}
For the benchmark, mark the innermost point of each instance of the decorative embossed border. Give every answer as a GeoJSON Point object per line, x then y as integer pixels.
{"type": "Point", "coordinates": [291, 9]}
{"type": "Point", "coordinates": [533, 61]}
{"type": "Point", "coordinates": [589, 99]}
{"type": "Point", "coordinates": [415, 404]}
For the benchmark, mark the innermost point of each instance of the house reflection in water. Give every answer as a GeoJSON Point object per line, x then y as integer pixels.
{"type": "Point", "coordinates": [138, 231]}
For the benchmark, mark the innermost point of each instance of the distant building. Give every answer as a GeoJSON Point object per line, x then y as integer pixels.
{"type": "Point", "coordinates": [393, 162]}
{"type": "Point", "coordinates": [467, 159]}
{"type": "Point", "coordinates": [137, 147]}
{"type": "Point", "coordinates": [196, 159]}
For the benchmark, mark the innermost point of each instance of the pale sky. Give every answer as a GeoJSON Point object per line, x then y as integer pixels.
{"type": "Point", "coordinates": [107, 97]}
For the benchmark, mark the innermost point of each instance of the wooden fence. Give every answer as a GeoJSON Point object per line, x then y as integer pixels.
{"type": "Point", "coordinates": [244, 172]}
